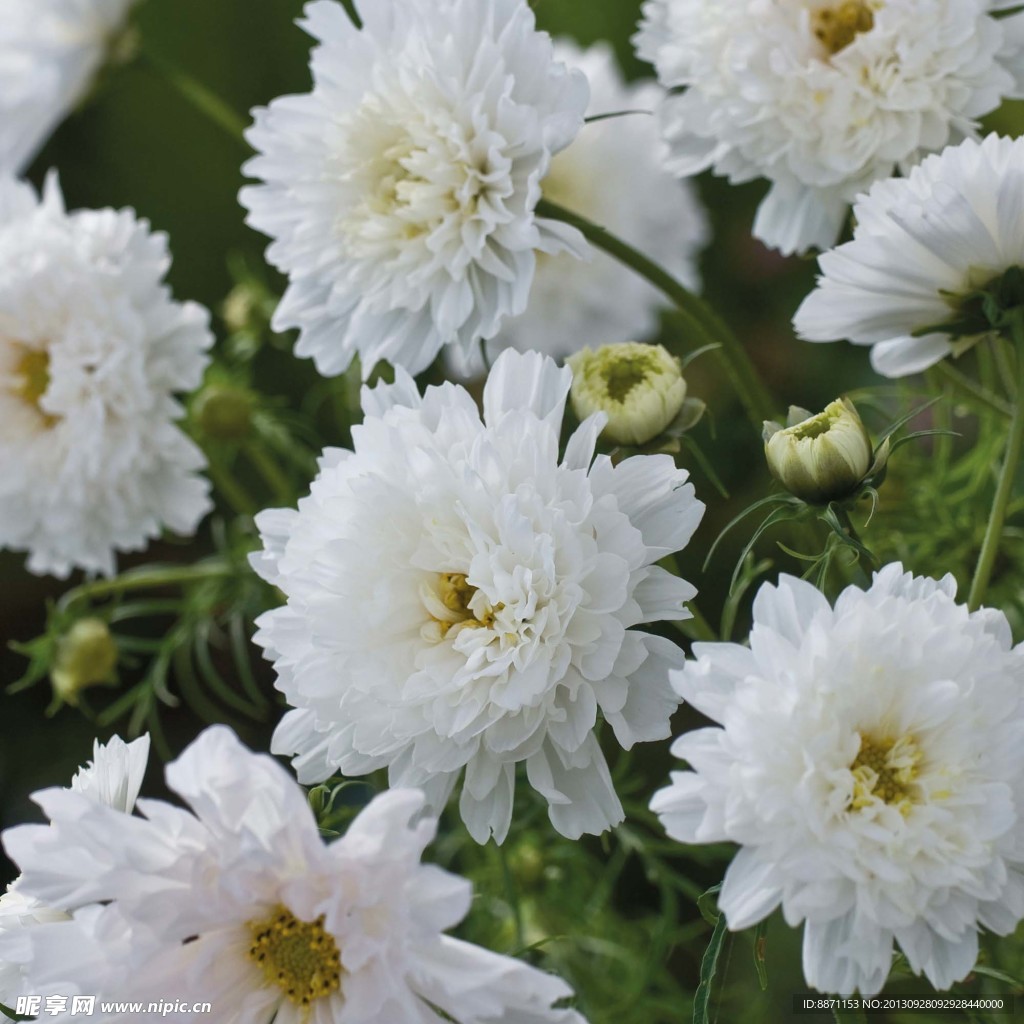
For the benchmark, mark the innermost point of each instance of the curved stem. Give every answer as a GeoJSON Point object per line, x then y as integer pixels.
{"type": "Point", "coordinates": [140, 579]}
{"type": "Point", "coordinates": [972, 390]}
{"type": "Point", "coordinates": [198, 96]}
{"type": "Point", "coordinates": [1004, 489]}
{"type": "Point", "coordinates": [275, 479]}
{"type": "Point", "coordinates": [699, 316]}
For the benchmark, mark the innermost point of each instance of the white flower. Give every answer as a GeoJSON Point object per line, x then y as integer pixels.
{"type": "Point", "coordinates": [241, 904]}
{"type": "Point", "coordinates": [612, 175]}
{"type": "Point", "coordinates": [400, 192]}
{"type": "Point", "coordinates": [458, 598]}
{"type": "Point", "coordinates": [112, 779]}
{"type": "Point", "coordinates": [922, 245]}
{"type": "Point", "coordinates": [114, 776]}
{"type": "Point", "coordinates": [92, 348]}
{"type": "Point", "coordinates": [871, 766]}
{"type": "Point", "coordinates": [50, 52]}
{"type": "Point", "coordinates": [823, 97]}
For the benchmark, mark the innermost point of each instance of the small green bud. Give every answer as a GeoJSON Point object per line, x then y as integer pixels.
{"type": "Point", "coordinates": [640, 387]}
{"type": "Point", "coordinates": [224, 412]}
{"type": "Point", "coordinates": [240, 309]}
{"type": "Point", "coordinates": [819, 458]}
{"type": "Point", "coordinates": [86, 656]}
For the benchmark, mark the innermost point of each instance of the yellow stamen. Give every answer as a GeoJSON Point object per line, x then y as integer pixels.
{"type": "Point", "coordinates": [886, 770]}
{"type": "Point", "coordinates": [836, 27]}
{"type": "Point", "coordinates": [299, 957]}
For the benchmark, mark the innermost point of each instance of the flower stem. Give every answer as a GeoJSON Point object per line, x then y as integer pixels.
{"type": "Point", "coordinates": [276, 480]}
{"type": "Point", "coordinates": [1004, 489]}
{"type": "Point", "coordinates": [147, 577]}
{"type": "Point", "coordinates": [211, 106]}
{"type": "Point", "coordinates": [699, 316]}
{"type": "Point", "coordinates": [971, 389]}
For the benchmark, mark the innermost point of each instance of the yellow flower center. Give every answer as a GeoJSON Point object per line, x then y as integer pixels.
{"type": "Point", "coordinates": [33, 375]}
{"type": "Point", "coordinates": [450, 603]}
{"type": "Point", "coordinates": [886, 770]}
{"type": "Point", "coordinates": [836, 27]}
{"type": "Point", "coordinates": [300, 957]}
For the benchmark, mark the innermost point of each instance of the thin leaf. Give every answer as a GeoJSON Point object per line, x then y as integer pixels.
{"type": "Point", "coordinates": [707, 904]}
{"type": "Point", "coordinates": [708, 966]}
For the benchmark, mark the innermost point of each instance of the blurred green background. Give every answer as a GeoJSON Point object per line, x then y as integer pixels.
{"type": "Point", "coordinates": [138, 143]}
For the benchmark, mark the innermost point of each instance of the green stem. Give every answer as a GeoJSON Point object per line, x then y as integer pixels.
{"type": "Point", "coordinates": [512, 898]}
{"type": "Point", "coordinates": [230, 489]}
{"type": "Point", "coordinates": [207, 103]}
{"type": "Point", "coordinates": [276, 480]}
{"type": "Point", "coordinates": [698, 315]}
{"type": "Point", "coordinates": [145, 578]}
{"type": "Point", "coordinates": [1004, 489]}
{"type": "Point", "coordinates": [971, 389]}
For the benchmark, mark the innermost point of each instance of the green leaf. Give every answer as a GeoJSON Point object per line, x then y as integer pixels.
{"type": "Point", "coordinates": [707, 904]}
{"type": "Point", "coordinates": [708, 967]}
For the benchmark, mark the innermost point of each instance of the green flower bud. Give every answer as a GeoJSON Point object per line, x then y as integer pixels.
{"type": "Point", "coordinates": [224, 412]}
{"type": "Point", "coordinates": [640, 387]}
{"type": "Point", "coordinates": [819, 458]}
{"type": "Point", "coordinates": [86, 656]}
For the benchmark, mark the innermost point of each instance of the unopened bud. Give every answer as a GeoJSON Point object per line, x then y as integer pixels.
{"type": "Point", "coordinates": [640, 387]}
{"type": "Point", "coordinates": [224, 412]}
{"type": "Point", "coordinates": [86, 656]}
{"type": "Point", "coordinates": [819, 458]}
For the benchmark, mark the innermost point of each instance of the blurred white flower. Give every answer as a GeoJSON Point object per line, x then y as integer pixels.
{"type": "Point", "coordinates": [871, 766]}
{"type": "Point", "coordinates": [922, 247]}
{"type": "Point", "coordinates": [50, 52]}
{"type": "Point", "coordinates": [92, 349]}
{"type": "Point", "coordinates": [400, 192]}
{"type": "Point", "coordinates": [458, 598]}
{"type": "Point", "coordinates": [113, 779]}
{"type": "Point", "coordinates": [612, 175]}
{"type": "Point", "coordinates": [241, 901]}
{"type": "Point", "coordinates": [823, 97]}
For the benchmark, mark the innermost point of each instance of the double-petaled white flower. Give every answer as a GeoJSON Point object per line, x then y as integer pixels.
{"type": "Point", "coordinates": [612, 175]}
{"type": "Point", "coordinates": [92, 351]}
{"type": "Point", "coordinates": [823, 97]}
{"type": "Point", "coordinates": [400, 192]}
{"type": "Point", "coordinates": [870, 763]}
{"type": "Point", "coordinates": [238, 902]}
{"type": "Point", "coordinates": [461, 598]}
{"type": "Point", "coordinates": [113, 779]}
{"type": "Point", "coordinates": [925, 250]}
{"type": "Point", "coordinates": [50, 52]}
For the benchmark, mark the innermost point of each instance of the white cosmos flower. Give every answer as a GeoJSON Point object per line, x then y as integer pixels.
{"type": "Point", "coordinates": [400, 192]}
{"type": "Point", "coordinates": [92, 349]}
{"type": "Point", "coordinates": [823, 97]}
{"type": "Point", "coordinates": [870, 763]}
{"type": "Point", "coordinates": [239, 902]}
{"type": "Point", "coordinates": [458, 597]}
{"type": "Point", "coordinates": [112, 779]}
{"type": "Point", "coordinates": [612, 175]}
{"type": "Point", "coordinates": [921, 245]}
{"type": "Point", "coordinates": [50, 52]}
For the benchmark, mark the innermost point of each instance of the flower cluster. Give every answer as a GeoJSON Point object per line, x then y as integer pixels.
{"type": "Point", "coordinates": [481, 588]}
